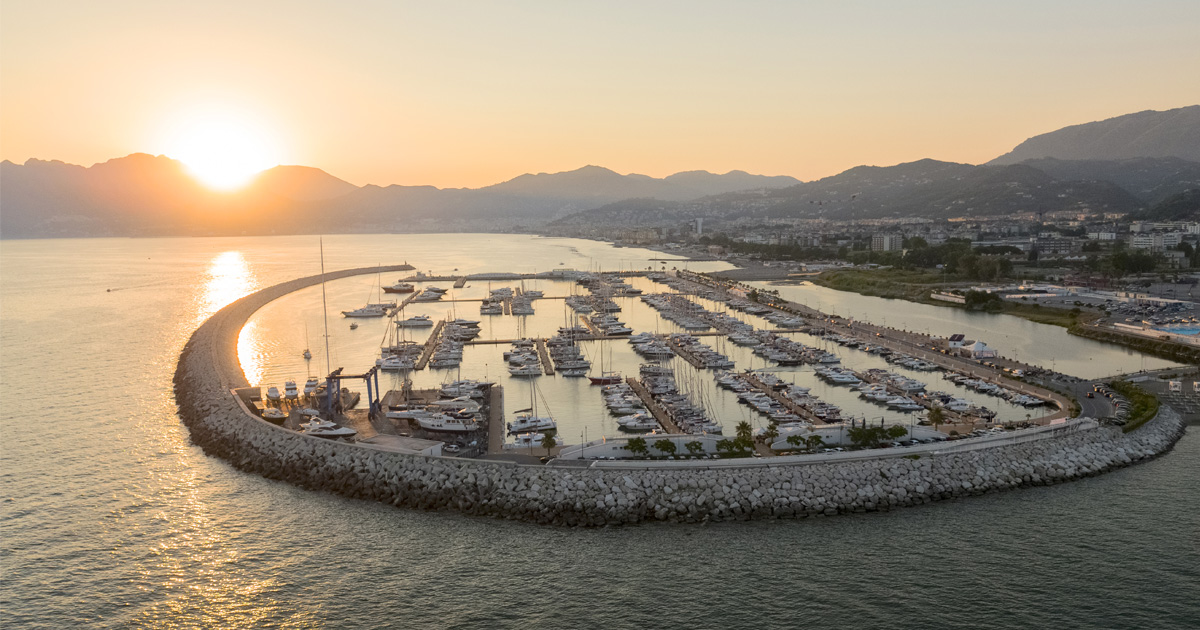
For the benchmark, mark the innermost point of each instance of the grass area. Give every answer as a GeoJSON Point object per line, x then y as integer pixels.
{"type": "Point", "coordinates": [915, 285]}
{"type": "Point", "coordinates": [1156, 347]}
{"type": "Point", "coordinates": [1143, 405]}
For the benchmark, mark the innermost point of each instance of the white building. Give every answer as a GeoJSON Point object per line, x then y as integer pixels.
{"type": "Point", "coordinates": [887, 243]}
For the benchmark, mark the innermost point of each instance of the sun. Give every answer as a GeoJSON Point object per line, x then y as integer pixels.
{"type": "Point", "coordinates": [223, 151]}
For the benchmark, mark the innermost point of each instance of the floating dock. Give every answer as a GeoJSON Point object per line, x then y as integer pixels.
{"type": "Point", "coordinates": [430, 346]}
{"type": "Point", "coordinates": [656, 410]}
{"type": "Point", "coordinates": [790, 404]}
{"type": "Point", "coordinates": [547, 365]}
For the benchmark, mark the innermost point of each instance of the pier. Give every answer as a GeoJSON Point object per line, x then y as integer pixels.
{"type": "Point", "coordinates": [430, 346]}
{"type": "Point", "coordinates": [544, 355]}
{"type": "Point", "coordinates": [656, 410]}
{"type": "Point", "coordinates": [790, 404]}
{"type": "Point", "coordinates": [686, 354]}
{"type": "Point", "coordinates": [596, 333]}
{"type": "Point", "coordinates": [460, 283]}
{"type": "Point", "coordinates": [952, 417]}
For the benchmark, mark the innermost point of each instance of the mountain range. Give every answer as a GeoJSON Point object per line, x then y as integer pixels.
{"type": "Point", "coordinates": [1171, 133]}
{"type": "Point", "coordinates": [1072, 168]}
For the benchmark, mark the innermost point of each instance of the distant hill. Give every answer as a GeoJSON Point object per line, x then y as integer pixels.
{"type": "Point", "coordinates": [301, 183]}
{"type": "Point", "coordinates": [1149, 179]}
{"type": "Point", "coordinates": [925, 188]}
{"type": "Point", "coordinates": [1172, 133]}
{"type": "Point", "coordinates": [1184, 206]}
{"type": "Point", "coordinates": [151, 195]}
{"type": "Point", "coordinates": [596, 182]}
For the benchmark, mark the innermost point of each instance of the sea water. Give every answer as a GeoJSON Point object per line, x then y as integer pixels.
{"type": "Point", "coordinates": [112, 519]}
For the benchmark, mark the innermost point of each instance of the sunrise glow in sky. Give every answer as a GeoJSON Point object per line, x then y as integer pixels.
{"type": "Point", "coordinates": [468, 94]}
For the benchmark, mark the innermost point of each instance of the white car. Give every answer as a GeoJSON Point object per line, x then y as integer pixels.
{"type": "Point", "coordinates": [452, 448]}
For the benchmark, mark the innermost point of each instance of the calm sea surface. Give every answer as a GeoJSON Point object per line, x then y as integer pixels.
{"type": "Point", "coordinates": [112, 519]}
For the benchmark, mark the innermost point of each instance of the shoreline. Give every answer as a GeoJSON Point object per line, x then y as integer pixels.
{"type": "Point", "coordinates": [1048, 315]}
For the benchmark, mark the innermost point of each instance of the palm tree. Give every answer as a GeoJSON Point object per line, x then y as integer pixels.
{"type": "Point", "coordinates": [937, 416]}
{"type": "Point", "coordinates": [771, 434]}
{"type": "Point", "coordinates": [744, 431]}
{"type": "Point", "coordinates": [549, 442]}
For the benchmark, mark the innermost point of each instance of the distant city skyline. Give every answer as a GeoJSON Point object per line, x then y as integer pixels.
{"type": "Point", "coordinates": [472, 94]}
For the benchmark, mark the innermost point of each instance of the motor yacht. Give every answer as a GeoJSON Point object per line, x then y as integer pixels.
{"type": "Point", "coordinates": [447, 423]}
{"type": "Point", "coordinates": [399, 287]}
{"type": "Point", "coordinates": [325, 429]}
{"type": "Point", "coordinates": [416, 321]}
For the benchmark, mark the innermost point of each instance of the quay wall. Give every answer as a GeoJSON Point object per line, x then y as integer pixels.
{"type": "Point", "coordinates": [757, 489]}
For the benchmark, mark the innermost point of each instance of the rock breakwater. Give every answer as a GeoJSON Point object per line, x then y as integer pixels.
{"type": "Point", "coordinates": [208, 369]}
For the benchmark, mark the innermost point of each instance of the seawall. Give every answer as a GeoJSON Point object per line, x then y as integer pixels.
{"type": "Point", "coordinates": [208, 369]}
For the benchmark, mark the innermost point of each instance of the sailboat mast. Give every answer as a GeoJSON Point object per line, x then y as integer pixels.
{"type": "Point", "coordinates": [325, 307]}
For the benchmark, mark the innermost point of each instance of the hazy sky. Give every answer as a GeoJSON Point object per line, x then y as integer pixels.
{"type": "Point", "coordinates": [472, 93]}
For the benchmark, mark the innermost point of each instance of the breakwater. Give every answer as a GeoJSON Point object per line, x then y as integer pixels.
{"type": "Point", "coordinates": [208, 369]}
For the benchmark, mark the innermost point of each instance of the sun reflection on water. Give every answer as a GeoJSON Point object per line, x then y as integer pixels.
{"type": "Point", "coordinates": [228, 278]}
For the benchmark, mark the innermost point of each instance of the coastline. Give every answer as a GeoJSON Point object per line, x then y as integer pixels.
{"type": "Point", "coordinates": [1079, 325]}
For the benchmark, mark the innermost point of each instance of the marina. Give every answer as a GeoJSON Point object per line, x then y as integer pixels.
{"type": "Point", "coordinates": [761, 343]}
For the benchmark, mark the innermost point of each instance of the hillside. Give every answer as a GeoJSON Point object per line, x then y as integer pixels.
{"type": "Point", "coordinates": [154, 195]}
{"type": "Point", "coordinates": [1182, 207]}
{"type": "Point", "coordinates": [926, 188]}
{"type": "Point", "coordinates": [1171, 133]}
{"type": "Point", "coordinates": [1149, 179]}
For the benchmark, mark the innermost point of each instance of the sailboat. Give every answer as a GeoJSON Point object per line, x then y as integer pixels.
{"type": "Point", "coordinates": [527, 420]}
{"type": "Point", "coordinates": [605, 378]}
{"type": "Point", "coordinates": [372, 309]}
{"type": "Point", "coordinates": [307, 354]}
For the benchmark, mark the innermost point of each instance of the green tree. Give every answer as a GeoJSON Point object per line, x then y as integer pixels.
{"type": "Point", "coordinates": [795, 440]}
{"type": "Point", "coordinates": [744, 430]}
{"type": "Point", "coordinates": [665, 446]}
{"type": "Point", "coordinates": [548, 442]}
{"type": "Point", "coordinates": [637, 446]}
{"type": "Point", "coordinates": [771, 434]}
{"type": "Point", "coordinates": [814, 441]}
{"type": "Point", "coordinates": [725, 446]}
{"type": "Point", "coordinates": [937, 416]}
{"type": "Point", "coordinates": [694, 447]}
{"type": "Point", "coordinates": [896, 432]}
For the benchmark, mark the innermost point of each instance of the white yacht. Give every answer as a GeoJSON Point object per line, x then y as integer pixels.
{"type": "Point", "coordinates": [273, 394]}
{"type": "Point", "coordinates": [460, 403]}
{"type": "Point", "coordinates": [527, 423]}
{"type": "Point", "coordinates": [370, 310]}
{"type": "Point", "coordinates": [474, 389]}
{"type": "Point", "coordinates": [290, 391]}
{"type": "Point", "coordinates": [323, 428]}
{"type": "Point", "coordinates": [395, 364]}
{"type": "Point", "coordinates": [399, 287]}
{"type": "Point", "coordinates": [446, 423]}
{"type": "Point", "coordinates": [416, 321]}
{"type": "Point", "coordinates": [528, 369]}
{"type": "Point", "coordinates": [310, 385]}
